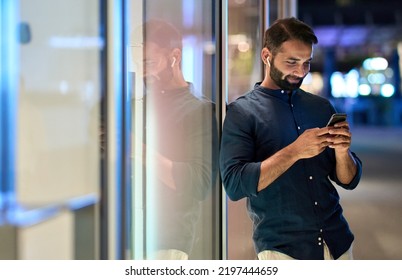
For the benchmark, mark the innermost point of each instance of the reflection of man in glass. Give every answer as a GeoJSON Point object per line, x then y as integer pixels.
{"type": "Point", "coordinates": [178, 146]}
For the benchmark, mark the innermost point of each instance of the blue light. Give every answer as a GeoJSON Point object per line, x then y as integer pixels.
{"type": "Point", "coordinates": [10, 74]}
{"type": "Point", "coordinates": [364, 89]}
{"type": "Point", "coordinates": [188, 56]}
{"type": "Point", "coordinates": [78, 42]}
{"type": "Point", "coordinates": [375, 63]}
{"type": "Point", "coordinates": [352, 83]}
{"type": "Point", "coordinates": [337, 84]}
{"type": "Point", "coordinates": [387, 90]}
{"type": "Point", "coordinates": [345, 85]}
{"type": "Point", "coordinates": [376, 78]}
{"type": "Point", "coordinates": [188, 13]}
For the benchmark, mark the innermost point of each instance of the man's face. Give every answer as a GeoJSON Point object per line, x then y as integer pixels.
{"type": "Point", "coordinates": [291, 65]}
{"type": "Point", "coordinates": [156, 68]}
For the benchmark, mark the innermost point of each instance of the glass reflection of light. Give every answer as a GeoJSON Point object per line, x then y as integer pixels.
{"type": "Point", "coordinates": [188, 15]}
{"type": "Point", "coordinates": [237, 39]}
{"type": "Point", "coordinates": [209, 48]}
{"type": "Point", "coordinates": [188, 57]}
{"type": "Point", "coordinates": [77, 42]}
{"type": "Point", "coordinates": [243, 46]}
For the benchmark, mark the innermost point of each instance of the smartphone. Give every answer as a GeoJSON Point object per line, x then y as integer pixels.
{"type": "Point", "coordinates": [335, 118]}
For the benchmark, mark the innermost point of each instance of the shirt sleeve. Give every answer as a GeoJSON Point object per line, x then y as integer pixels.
{"type": "Point", "coordinates": [353, 184]}
{"type": "Point", "coordinates": [197, 171]}
{"type": "Point", "coordinates": [239, 172]}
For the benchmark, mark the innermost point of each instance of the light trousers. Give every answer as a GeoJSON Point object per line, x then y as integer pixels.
{"type": "Point", "coordinates": [170, 254]}
{"type": "Point", "coordinates": [275, 255]}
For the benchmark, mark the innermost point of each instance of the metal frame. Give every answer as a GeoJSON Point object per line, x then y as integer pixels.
{"type": "Point", "coordinates": [222, 87]}
{"type": "Point", "coordinates": [8, 100]}
{"type": "Point", "coordinates": [111, 195]}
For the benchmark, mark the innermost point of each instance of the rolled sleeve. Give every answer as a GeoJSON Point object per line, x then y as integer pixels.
{"type": "Point", "coordinates": [239, 172]}
{"type": "Point", "coordinates": [353, 184]}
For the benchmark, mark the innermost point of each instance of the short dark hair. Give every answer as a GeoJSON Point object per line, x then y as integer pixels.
{"type": "Point", "coordinates": [162, 33]}
{"type": "Point", "coordinates": [286, 29]}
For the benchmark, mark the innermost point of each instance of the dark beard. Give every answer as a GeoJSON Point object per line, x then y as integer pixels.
{"type": "Point", "coordinates": [159, 80]}
{"type": "Point", "coordinates": [276, 76]}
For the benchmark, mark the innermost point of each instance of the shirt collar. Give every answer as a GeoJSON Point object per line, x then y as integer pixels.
{"type": "Point", "coordinates": [188, 88]}
{"type": "Point", "coordinates": [281, 93]}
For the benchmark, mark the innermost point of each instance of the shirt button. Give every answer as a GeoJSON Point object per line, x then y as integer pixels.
{"type": "Point", "coordinates": [320, 230]}
{"type": "Point", "coordinates": [319, 243]}
{"type": "Point", "coordinates": [298, 127]}
{"type": "Point", "coordinates": [311, 177]}
{"type": "Point", "coordinates": [282, 91]}
{"type": "Point", "coordinates": [319, 238]}
{"type": "Point", "coordinates": [315, 203]}
{"type": "Point", "coordinates": [291, 105]}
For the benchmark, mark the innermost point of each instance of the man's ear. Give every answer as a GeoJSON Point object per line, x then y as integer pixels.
{"type": "Point", "coordinates": [176, 57]}
{"type": "Point", "coordinates": [265, 56]}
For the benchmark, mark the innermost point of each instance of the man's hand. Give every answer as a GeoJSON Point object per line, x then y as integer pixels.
{"type": "Point", "coordinates": [340, 140]}
{"type": "Point", "coordinates": [311, 143]}
{"type": "Point", "coordinates": [339, 137]}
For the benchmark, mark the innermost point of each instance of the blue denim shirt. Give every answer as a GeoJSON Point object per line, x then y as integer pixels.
{"type": "Point", "coordinates": [300, 209]}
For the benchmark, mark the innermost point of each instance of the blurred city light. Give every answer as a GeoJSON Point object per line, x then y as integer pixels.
{"type": "Point", "coordinates": [345, 85]}
{"type": "Point", "coordinates": [375, 63]}
{"type": "Point", "coordinates": [373, 78]}
{"type": "Point", "coordinates": [364, 89]}
{"type": "Point", "coordinates": [387, 90]}
{"type": "Point", "coordinates": [313, 83]}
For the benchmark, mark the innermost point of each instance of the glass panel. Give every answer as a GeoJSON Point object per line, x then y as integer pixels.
{"type": "Point", "coordinates": [175, 143]}
{"type": "Point", "coordinates": [51, 88]}
{"type": "Point", "coordinates": [244, 66]}
{"type": "Point", "coordinates": [58, 109]}
{"type": "Point", "coordinates": [8, 87]}
{"type": "Point", "coordinates": [244, 46]}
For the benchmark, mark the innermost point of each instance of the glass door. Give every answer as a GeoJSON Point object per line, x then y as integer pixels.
{"type": "Point", "coordinates": [245, 35]}
{"type": "Point", "coordinates": [50, 125]}
{"type": "Point", "coordinates": [172, 70]}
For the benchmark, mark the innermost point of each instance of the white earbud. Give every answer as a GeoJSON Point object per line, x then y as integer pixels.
{"type": "Point", "coordinates": [173, 62]}
{"type": "Point", "coordinates": [269, 63]}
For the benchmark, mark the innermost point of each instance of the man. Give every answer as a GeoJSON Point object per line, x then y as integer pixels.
{"type": "Point", "coordinates": [278, 153]}
{"type": "Point", "coordinates": [180, 146]}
